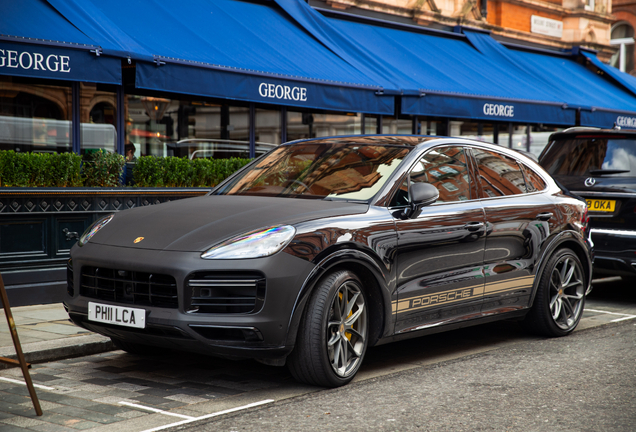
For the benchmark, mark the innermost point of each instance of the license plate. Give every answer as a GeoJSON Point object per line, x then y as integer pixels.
{"type": "Point", "coordinates": [118, 315]}
{"type": "Point", "coordinates": [601, 205]}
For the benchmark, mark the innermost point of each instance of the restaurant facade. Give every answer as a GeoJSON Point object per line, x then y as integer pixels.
{"type": "Point", "coordinates": [234, 78]}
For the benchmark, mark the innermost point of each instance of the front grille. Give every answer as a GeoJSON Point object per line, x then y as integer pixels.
{"type": "Point", "coordinates": [131, 287]}
{"type": "Point", "coordinates": [223, 292]}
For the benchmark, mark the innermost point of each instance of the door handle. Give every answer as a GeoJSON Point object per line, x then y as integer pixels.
{"type": "Point", "coordinates": [544, 216]}
{"type": "Point", "coordinates": [474, 226]}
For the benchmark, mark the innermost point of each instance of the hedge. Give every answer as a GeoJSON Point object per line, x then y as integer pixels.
{"type": "Point", "coordinates": [151, 171]}
{"type": "Point", "coordinates": [104, 169]}
{"type": "Point", "coordinates": [39, 169]}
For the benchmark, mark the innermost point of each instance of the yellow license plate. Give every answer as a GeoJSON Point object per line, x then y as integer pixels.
{"type": "Point", "coordinates": [601, 205]}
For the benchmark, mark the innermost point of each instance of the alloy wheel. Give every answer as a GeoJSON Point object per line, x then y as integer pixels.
{"type": "Point", "coordinates": [567, 292]}
{"type": "Point", "coordinates": [347, 329]}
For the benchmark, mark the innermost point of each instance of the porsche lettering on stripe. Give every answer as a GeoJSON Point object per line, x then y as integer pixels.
{"type": "Point", "coordinates": [439, 298]}
{"type": "Point", "coordinates": [452, 296]}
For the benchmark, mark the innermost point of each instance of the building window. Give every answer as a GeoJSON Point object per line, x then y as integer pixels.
{"type": "Point", "coordinates": [623, 39]}
{"type": "Point", "coordinates": [34, 117]}
{"type": "Point", "coordinates": [589, 5]}
{"type": "Point", "coordinates": [98, 118]}
{"type": "Point", "coordinates": [302, 125]}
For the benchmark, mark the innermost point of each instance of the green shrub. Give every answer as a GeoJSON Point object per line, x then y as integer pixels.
{"type": "Point", "coordinates": [39, 169]}
{"type": "Point", "coordinates": [152, 171]}
{"type": "Point", "coordinates": [102, 169]}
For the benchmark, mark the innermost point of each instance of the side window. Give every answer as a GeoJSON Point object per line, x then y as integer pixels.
{"type": "Point", "coordinates": [445, 168]}
{"type": "Point", "coordinates": [534, 182]}
{"type": "Point", "coordinates": [499, 175]}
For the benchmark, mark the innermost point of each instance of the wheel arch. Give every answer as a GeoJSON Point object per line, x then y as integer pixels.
{"type": "Point", "coordinates": [373, 283]}
{"type": "Point", "coordinates": [567, 239]}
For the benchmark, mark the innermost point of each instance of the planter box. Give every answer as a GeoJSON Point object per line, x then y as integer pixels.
{"type": "Point", "coordinates": [33, 246]}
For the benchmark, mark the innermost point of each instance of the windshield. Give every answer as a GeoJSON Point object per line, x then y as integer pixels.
{"type": "Point", "coordinates": [319, 170]}
{"type": "Point", "coordinates": [591, 156]}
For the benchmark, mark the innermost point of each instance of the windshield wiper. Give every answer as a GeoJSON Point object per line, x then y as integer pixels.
{"type": "Point", "coordinates": [608, 171]}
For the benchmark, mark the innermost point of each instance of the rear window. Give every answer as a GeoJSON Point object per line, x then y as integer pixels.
{"type": "Point", "coordinates": [590, 156]}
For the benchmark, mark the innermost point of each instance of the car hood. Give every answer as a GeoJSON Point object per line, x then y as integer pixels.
{"type": "Point", "coordinates": [196, 224]}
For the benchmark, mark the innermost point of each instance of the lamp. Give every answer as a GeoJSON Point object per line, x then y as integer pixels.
{"type": "Point", "coordinates": [155, 107]}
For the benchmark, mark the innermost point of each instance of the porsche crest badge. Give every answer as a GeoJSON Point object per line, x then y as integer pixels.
{"type": "Point", "coordinates": [138, 239]}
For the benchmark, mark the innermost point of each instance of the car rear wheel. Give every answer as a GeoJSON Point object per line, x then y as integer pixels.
{"type": "Point", "coordinates": [558, 305]}
{"type": "Point", "coordinates": [332, 338]}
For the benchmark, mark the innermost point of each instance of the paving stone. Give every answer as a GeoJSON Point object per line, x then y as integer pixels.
{"type": "Point", "coordinates": [10, 428]}
{"type": "Point", "coordinates": [24, 422]}
{"type": "Point", "coordinates": [99, 381]}
{"type": "Point", "coordinates": [50, 427]}
{"type": "Point", "coordinates": [188, 399]}
{"type": "Point", "coordinates": [157, 402]}
{"type": "Point", "coordinates": [44, 404]}
{"type": "Point", "coordinates": [130, 414]}
{"type": "Point", "coordinates": [107, 409]}
{"type": "Point", "coordinates": [85, 414]}
{"type": "Point", "coordinates": [128, 386]}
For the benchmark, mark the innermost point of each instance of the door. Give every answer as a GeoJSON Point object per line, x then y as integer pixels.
{"type": "Point", "coordinates": [519, 220]}
{"type": "Point", "coordinates": [441, 250]}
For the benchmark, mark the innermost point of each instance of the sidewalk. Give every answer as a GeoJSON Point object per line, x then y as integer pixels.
{"type": "Point", "coordinates": [46, 334]}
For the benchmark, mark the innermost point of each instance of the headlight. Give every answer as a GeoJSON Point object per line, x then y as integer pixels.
{"type": "Point", "coordinates": [90, 232]}
{"type": "Point", "coordinates": [255, 244]}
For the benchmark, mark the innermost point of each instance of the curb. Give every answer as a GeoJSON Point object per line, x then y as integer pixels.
{"type": "Point", "coordinates": [58, 349]}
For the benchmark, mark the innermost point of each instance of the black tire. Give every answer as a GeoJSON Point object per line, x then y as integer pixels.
{"type": "Point", "coordinates": [136, 348]}
{"type": "Point", "coordinates": [560, 300]}
{"type": "Point", "coordinates": [331, 345]}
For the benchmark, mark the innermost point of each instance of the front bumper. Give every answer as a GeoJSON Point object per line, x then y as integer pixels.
{"type": "Point", "coordinates": [259, 334]}
{"type": "Point", "coordinates": [614, 252]}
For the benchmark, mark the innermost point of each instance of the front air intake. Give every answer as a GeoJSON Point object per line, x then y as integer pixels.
{"type": "Point", "coordinates": [225, 293]}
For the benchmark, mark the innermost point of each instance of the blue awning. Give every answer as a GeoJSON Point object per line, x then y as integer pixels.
{"type": "Point", "coordinates": [602, 102]}
{"type": "Point", "coordinates": [36, 41]}
{"type": "Point", "coordinates": [227, 49]}
{"type": "Point", "coordinates": [470, 75]}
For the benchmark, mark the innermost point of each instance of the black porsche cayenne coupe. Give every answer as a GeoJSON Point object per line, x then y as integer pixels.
{"type": "Point", "coordinates": [323, 248]}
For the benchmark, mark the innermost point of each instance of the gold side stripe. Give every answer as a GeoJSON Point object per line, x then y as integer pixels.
{"type": "Point", "coordinates": [459, 294]}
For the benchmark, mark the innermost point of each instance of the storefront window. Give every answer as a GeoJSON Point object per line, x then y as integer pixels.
{"type": "Point", "coordinates": [312, 125]}
{"type": "Point", "coordinates": [98, 118]}
{"type": "Point", "coordinates": [34, 117]}
{"type": "Point", "coordinates": [429, 127]}
{"type": "Point", "coordinates": [183, 128]}
{"type": "Point", "coordinates": [268, 128]}
{"type": "Point", "coordinates": [392, 126]}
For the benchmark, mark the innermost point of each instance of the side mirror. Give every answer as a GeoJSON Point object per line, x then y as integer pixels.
{"type": "Point", "coordinates": [423, 194]}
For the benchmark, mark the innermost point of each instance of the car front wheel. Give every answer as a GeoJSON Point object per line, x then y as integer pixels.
{"type": "Point", "coordinates": [560, 299]}
{"type": "Point", "coordinates": [332, 338]}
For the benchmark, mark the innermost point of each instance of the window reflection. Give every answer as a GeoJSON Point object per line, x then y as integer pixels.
{"type": "Point", "coordinates": [318, 170]}
{"type": "Point", "coordinates": [98, 119]}
{"type": "Point", "coordinates": [301, 125]}
{"type": "Point", "coordinates": [34, 117]}
{"type": "Point", "coordinates": [499, 174]}
{"type": "Point", "coordinates": [445, 168]}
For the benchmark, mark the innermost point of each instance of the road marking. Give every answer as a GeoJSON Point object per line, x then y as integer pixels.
{"type": "Point", "coordinates": [155, 410]}
{"type": "Point", "coordinates": [207, 416]}
{"type": "Point", "coordinates": [24, 383]}
{"type": "Point", "coordinates": [625, 316]}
